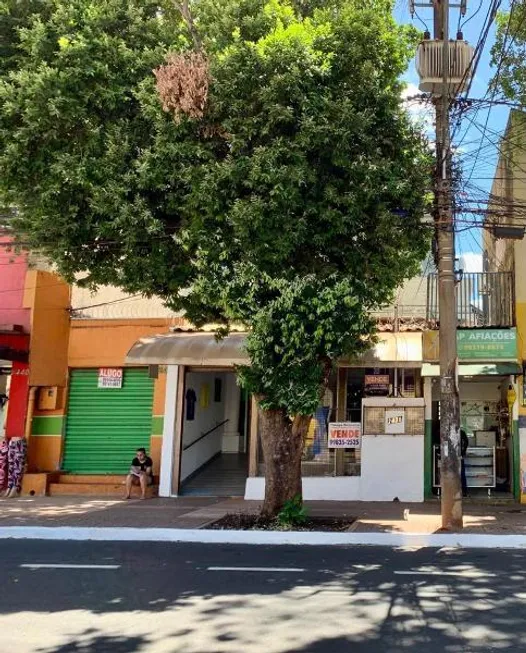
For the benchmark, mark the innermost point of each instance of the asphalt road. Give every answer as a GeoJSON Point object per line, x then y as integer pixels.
{"type": "Point", "coordinates": [156, 597]}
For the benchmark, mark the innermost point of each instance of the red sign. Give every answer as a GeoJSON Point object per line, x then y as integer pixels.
{"type": "Point", "coordinates": [345, 435]}
{"type": "Point", "coordinates": [110, 377]}
{"type": "Point", "coordinates": [376, 384]}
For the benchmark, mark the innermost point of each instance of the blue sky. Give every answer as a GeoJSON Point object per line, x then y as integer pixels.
{"type": "Point", "coordinates": [479, 169]}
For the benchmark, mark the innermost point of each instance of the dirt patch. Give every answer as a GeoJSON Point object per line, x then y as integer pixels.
{"type": "Point", "coordinates": [244, 522]}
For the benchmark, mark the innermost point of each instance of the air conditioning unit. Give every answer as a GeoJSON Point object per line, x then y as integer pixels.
{"type": "Point", "coordinates": [429, 66]}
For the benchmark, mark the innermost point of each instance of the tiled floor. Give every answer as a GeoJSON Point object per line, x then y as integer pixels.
{"type": "Point", "coordinates": [223, 477]}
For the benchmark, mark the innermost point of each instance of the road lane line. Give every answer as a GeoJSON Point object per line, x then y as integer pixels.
{"type": "Point", "coordinates": [285, 569]}
{"type": "Point", "coordinates": [462, 574]}
{"type": "Point", "coordinates": [66, 566]}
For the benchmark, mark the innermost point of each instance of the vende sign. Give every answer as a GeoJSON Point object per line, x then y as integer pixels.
{"type": "Point", "coordinates": [345, 435]}
{"type": "Point", "coordinates": [110, 377]}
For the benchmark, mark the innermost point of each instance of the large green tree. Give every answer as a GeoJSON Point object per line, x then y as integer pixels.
{"type": "Point", "coordinates": [289, 197]}
{"type": "Point", "coordinates": [509, 53]}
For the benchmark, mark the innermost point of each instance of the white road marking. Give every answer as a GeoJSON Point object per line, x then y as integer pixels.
{"type": "Point", "coordinates": [66, 566]}
{"type": "Point", "coordinates": [291, 569]}
{"type": "Point", "coordinates": [463, 574]}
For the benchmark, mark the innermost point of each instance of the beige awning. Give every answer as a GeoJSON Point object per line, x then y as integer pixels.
{"type": "Point", "coordinates": [196, 349]}
{"type": "Point", "coordinates": [481, 369]}
{"type": "Point", "coordinates": [202, 349]}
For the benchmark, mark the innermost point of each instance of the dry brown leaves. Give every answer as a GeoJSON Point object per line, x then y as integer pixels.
{"type": "Point", "coordinates": [182, 84]}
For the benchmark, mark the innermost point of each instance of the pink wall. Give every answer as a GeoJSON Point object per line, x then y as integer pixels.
{"type": "Point", "coordinates": [12, 278]}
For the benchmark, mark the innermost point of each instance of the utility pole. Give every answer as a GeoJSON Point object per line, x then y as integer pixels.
{"type": "Point", "coordinates": [450, 466]}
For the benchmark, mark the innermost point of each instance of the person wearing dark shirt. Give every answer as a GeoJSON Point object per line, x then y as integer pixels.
{"type": "Point", "coordinates": [141, 473]}
{"type": "Point", "coordinates": [463, 450]}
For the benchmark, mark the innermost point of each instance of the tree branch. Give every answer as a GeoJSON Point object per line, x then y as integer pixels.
{"type": "Point", "coordinates": [184, 9]}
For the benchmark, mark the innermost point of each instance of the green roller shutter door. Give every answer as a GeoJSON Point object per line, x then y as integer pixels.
{"type": "Point", "coordinates": [105, 426]}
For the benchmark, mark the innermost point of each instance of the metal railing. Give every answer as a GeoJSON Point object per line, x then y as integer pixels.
{"type": "Point", "coordinates": [484, 299]}
{"type": "Point", "coordinates": [203, 435]}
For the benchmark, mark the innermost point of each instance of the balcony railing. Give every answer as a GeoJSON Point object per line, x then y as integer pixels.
{"type": "Point", "coordinates": [484, 299]}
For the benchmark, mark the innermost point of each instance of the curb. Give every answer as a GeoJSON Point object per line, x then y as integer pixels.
{"type": "Point", "coordinates": [431, 540]}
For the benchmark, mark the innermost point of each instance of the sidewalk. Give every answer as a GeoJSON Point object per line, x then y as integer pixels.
{"type": "Point", "coordinates": [194, 513]}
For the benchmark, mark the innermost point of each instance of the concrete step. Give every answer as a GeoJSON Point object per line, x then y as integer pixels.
{"type": "Point", "coordinates": [96, 489]}
{"type": "Point", "coordinates": [83, 479]}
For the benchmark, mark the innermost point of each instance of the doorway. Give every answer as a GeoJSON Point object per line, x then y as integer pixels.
{"type": "Point", "coordinates": [215, 435]}
{"type": "Point", "coordinates": [485, 419]}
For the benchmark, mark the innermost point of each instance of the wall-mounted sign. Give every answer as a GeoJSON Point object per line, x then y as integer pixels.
{"type": "Point", "coordinates": [476, 344]}
{"type": "Point", "coordinates": [376, 384]}
{"type": "Point", "coordinates": [345, 435]}
{"type": "Point", "coordinates": [110, 377]}
{"type": "Point", "coordinates": [395, 421]}
{"type": "Point", "coordinates": [487, 344]}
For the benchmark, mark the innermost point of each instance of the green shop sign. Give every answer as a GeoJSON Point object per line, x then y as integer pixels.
{"type": "Point", "coordinates": [487, 344]}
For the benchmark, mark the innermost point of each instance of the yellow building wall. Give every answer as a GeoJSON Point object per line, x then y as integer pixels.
{"type": "Point", "coordinates": [48, 297]}
{"type": "Point", "coordinates": [86, 344]}
{"type": "Point", "coordinates": [105, 343]}
{"type": "Point", "coordinates": [159, 395]}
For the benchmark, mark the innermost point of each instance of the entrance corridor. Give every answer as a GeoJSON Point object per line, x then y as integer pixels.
{"type": "Point", "coordinates": [224, 476]}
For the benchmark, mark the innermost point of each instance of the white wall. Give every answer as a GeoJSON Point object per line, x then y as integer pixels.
{"type": "Point", "coordinates": [4, 389]}
{"type": "Point", "coordinates": [169, 428]}
{"type": "Point", "coordinates": [205, 419]}
{"type": "Point", "coordinates": [111, 303]}
{"type": "Point", "coordinates": [392, 466]}
{"type": "Point", "coordinates": [339, 488]}
{"type": "Point", "coordinates": [232, 397]}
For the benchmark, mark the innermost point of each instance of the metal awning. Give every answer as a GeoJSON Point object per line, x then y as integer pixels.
{"type": "Point", "coordinates": [196, 349]}
{"type": "Point", "coordinates": [480, 369]}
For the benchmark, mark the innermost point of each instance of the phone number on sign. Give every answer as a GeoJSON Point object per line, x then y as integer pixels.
{"type": "Point", "coordinates": [344, 442]}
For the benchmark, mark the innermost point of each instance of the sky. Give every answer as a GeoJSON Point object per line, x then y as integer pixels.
{"type": "Point", "coordinates": [479, 169]}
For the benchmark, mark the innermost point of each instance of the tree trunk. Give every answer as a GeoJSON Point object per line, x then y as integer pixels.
{"type": "Point", "coordinates": [282, 442]}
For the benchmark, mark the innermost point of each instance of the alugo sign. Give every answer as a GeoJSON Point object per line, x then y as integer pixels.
{"type": "Point", "coordinates": [487, 344]}
{"type": "Point", "coordinates": [345, 435]}
{"type": "Point", "coordinates": [110, 377]}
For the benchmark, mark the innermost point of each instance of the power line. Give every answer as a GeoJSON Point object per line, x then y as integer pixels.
{"type": "Point", "coordinates": [495, 82]}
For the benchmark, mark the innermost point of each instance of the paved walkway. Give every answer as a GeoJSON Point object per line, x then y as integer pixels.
{"type": "Point", "coordinates": [193, 512]}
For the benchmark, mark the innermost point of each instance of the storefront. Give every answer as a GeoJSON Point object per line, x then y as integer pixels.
{"type": "Point", "coordinates": [14, 377]}
{"type": "Point", "coordinates": [109, 416]}
{"type": "Point", "coordinates": [385, 462]}
{"type": "Point", "coordinates": [487, 381]}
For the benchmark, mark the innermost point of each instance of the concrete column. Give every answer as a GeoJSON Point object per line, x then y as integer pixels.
{"type": "Point", "coordinates": [231, 438]}
{"type": "Point", "coordinates": [170, 425]}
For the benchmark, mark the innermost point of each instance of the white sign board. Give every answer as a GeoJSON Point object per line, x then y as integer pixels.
{"type": "Point", "coordinates": [110, 377]}
{"type": "Point", "coordinates": [395, 421]}
{"type": "Point", "coordinates": [345, 435]}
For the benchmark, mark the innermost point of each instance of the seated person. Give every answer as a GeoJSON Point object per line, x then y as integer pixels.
{"type": "Point", "coordinates": [141, 473]}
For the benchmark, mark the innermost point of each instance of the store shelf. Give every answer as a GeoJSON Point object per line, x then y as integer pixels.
{"type": "Point", "coordinates": [479, 464]}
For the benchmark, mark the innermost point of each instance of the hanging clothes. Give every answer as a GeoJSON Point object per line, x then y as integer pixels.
{"type": "Point", "coordinates": [16, 460]}
{"type": "Point", "coordinates": [204, 396]}
{"type": "Point", "coordinates": [320, 432]}
{"type": "Point", "coordinates": [4, 450]}
{"type": "Point", "coordinates": [191, 399]}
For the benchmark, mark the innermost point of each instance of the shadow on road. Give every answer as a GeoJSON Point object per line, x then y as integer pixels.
{"type": "Point", "coordinates": [347, 599]}
{"type": "Point", "coordinates": [88, 642]}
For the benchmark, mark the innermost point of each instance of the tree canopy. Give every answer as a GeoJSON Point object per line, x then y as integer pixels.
{"type": "Point", "coordinates": [293, 204]}
{"type": "Point", "coordinates": [509, 54]}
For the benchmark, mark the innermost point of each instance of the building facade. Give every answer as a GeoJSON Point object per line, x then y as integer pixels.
{"type": "Point", "coordinates": [505, 254]}
{"type": "Point", "coordinates": [108, 373]}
